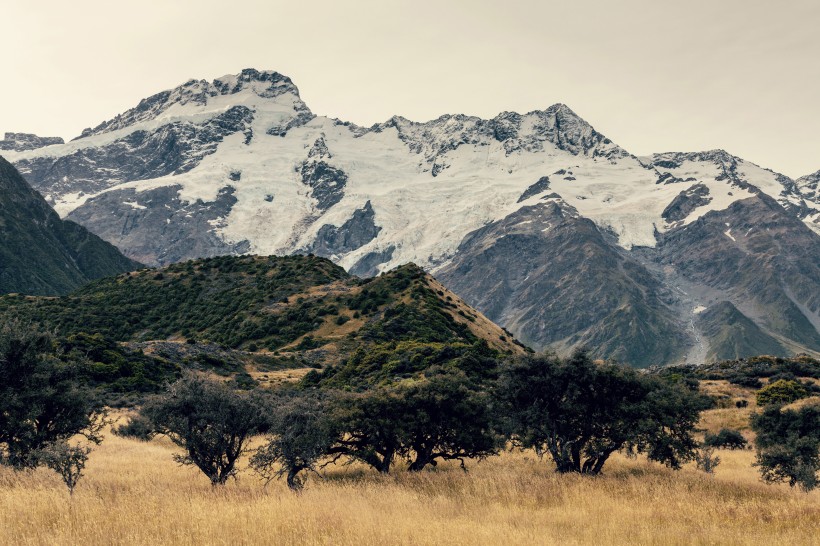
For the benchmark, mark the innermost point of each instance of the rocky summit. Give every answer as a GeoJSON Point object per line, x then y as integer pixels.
{"type": "Point", "coordinates": [538, 220]}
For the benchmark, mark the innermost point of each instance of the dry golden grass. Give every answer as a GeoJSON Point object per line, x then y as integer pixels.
{"type": "Point", "coordinates": [134, 494]}
{"type": "Point", "coordinates": [277, 377]}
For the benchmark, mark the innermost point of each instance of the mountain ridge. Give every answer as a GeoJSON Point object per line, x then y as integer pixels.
{"type": "Point", "coordinates": [241, 165]}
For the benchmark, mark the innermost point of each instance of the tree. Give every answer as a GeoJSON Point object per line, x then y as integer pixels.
{"type": "Point", "coordinates": [582, 413]}
{"type": "Point", "coordinates": [42, 402]}
{"type": "Point", "coordinates": [301, 432]}
{"type": "Point", "coordinates": [441, 417]}
{"type": "Point", "coordinates": [788, 445]}
{"type": "Point", "coordinates": [209, 420]}
{"type": "Point", "coordinates": [66, 460]}
{"type": "Point", "coordinates": [446, 417]}
{"type": "Point", "coordinates": [370, 427]}
{"type": "Point", "coordinates": [706, 460]}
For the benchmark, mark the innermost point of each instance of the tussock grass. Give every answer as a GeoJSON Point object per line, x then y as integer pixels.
{"type": "Point", "coordinates": [135, 494]}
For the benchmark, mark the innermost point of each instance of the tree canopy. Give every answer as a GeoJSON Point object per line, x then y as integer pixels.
{"type": "Point", "coordinates": [788, 444]}
{"type": "Point", "coordinates": [209, 420]}
{"type": "Point", "coordinates": [581, 412]}
{"type": "Point", "coordinates": [43, 402]}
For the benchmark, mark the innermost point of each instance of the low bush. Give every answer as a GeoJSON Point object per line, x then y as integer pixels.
{"type": "Point", "coordinates": [137, 427]}
{"type": "Point", "coordinates": [726, 439]}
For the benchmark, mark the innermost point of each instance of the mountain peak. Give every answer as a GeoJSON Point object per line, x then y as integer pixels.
{"type": "Point", "coordinates": [266, 84]}
{"type": "Point", "coordinates": [558, 125]}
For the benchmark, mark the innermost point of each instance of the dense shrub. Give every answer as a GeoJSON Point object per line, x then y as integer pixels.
{"type": "Point", "coordinates": [137, 427]}
{"type": "Point", "coordinates": [782, 391]}
{"type": "Point", "coordinates": [745, 381]}
{"type": "Point", "coordinates": [726, 439]}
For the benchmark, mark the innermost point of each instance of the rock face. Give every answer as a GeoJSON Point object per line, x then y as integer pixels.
{"type": "Point", "coordinates": [360, 229]}
{"type": "Point", "coordinates": [186, 228]}
{"type": "Point", "coordinates": [731, 332]}
{"type": "Point", "coordinates": [543, 223]}
{"type": "Point", "coordinates": [41, 254]}
{"type": "Point", "coordinates": [19, 142]}
{"type": "Point", "coordinates": [686, 202]}
{"type": "Point", "coordinates": [564, 284]}
{"type": "Point", "coordinates": [757, 256]}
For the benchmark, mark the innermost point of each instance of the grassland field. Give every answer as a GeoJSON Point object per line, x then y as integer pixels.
{"type": "Point", "coordinates": [134, 493]}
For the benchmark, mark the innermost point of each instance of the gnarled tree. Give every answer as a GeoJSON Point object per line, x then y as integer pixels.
{"type": "Point", "coordinates": [210, 421]}
{"type": "Point", "coordinates": [582, 412]}
{"type": "Point", "coordinates": [446, 417]}
{"type": "Point", "coordinates": [301, 431]}
{"type": "Point", "coordinates": [42, 401]}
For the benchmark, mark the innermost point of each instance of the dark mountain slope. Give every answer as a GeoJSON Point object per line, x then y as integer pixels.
{"type": "Point", "coordinates": [759, 257]}
{"type": "Point", "coordinates": [41, 254]}
{"type": "Point", "coordinates": [554, 278]}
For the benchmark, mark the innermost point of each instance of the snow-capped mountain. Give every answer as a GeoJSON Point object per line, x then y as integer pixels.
{"type": "Point", "coordinates": [241, 165]}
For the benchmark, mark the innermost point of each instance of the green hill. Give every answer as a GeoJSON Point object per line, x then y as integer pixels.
{"type": "Point", "coordinates": [259, 314]}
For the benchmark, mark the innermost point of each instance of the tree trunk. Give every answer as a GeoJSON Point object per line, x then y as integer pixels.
{"type": "Point", "coordinates": [384, 464]}
{"type": "Point", "coordinates": [422, 459]}
{"type": "Point", "coordinates": [294, 483]}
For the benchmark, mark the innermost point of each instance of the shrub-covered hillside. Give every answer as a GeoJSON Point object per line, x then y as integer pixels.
{"type": "Point", "coordinates": [285, 311]}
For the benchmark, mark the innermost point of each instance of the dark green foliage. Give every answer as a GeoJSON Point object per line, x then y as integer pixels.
{"type": "Point", "coordinates": [726, 438]}
{"type": "Point", "coordinates": [216, 298]}
{"type": "Point", "coordinates": [42, 400]}
{"type": "Point", "coordinates": [581, 412]}
{"type": "Point", "coordinates": [388, 362]}
{"type": "Point", "coordinates": [424, 319]}
{"type": "Point", "coordinates": [237, 303]}
{"type": "Point", "coordinates": [341, 319]}
{"type": "Point", "coordinates": [111, 368]}
{"type": "Point", "coordinates": [369, 427]}
{"type": "Point", "coordinates": [446, 417]}
{"type": "Point", "coordinates": [746, 381]}
{"type": "Point", "coordinates": [228, 308]}
{"type": "Point", "coordinates": [788, 445]}
{"type": "Point", "coordinates": [301, 432]}
{"type": "Point", "coordinates": [209, 420]}
{"type": "Point", "coordinates": [748, 372]}
{"type": "Point", "coordinates": [137, 427]}
{"type": "Point", "coordinates": [781, 391]}
{"type": "Point", "coordinates": [243, 381]}
{"type": "Point", "coordinates": [440, 417]}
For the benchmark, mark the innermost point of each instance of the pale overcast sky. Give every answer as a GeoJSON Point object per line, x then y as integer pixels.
{"type": "Point", "coordinates": [653, 75]}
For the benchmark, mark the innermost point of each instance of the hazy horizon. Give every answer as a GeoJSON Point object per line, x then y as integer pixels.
{"type": "Point", "coordinates": [652, 76]}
